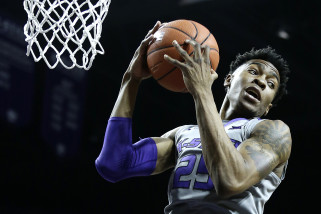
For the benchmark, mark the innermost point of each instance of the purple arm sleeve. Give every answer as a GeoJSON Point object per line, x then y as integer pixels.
{"type": "Point", "coordinates": [119, 158]}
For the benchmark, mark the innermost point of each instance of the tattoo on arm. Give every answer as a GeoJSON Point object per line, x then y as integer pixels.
{"type": "Point", "coordinates": [269, 145]}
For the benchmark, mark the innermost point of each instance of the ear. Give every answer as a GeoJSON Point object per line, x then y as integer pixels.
{"type": "Point", "coordinates": [268, 109]}
{"type": "Point", "coordinates": [228, 80]}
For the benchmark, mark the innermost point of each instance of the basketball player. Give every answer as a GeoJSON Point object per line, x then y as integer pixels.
{"type": "Point", "coordinates": [232, 160]}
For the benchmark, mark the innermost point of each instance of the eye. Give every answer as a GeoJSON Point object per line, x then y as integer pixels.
{"type": "Point", "coordinates": [253, 71]}
{"type": "Point", "coordinates": [271, 84]}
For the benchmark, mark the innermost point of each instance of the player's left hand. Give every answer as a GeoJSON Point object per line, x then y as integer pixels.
{"type": "Point", "coordinates": [197, 72]}
{"type": "Point", "coordinates": [138, 68]}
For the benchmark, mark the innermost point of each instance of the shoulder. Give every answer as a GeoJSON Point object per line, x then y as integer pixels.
{"type": "Point", "coordinates": [171, 133]}
{"type": "Point", "coordinates": [275, 134]}
{"type": "Point", "coordinates": [277, 128]}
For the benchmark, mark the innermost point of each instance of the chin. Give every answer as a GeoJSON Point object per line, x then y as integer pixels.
{"type": "Point", "coordinates": [249, 110]}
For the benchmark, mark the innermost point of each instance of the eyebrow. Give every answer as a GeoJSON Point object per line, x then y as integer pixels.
{"type": "Point", "coordinates": [273, 73]}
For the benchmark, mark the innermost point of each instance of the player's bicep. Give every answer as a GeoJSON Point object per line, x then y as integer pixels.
{"type": "Point", "coordinates": [260, 159]}
{"type": "Point", "coordinates": [165, 154]}
{"type": "Point", "coordinates": [165, 151]}
{"type": "Point", "coordinates": [268, 147]}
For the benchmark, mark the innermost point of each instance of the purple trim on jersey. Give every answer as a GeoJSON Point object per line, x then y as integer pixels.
{"type": "Point", "coordinates": [235, 127]}
{"type": "Point", "coordinates": [234, 120]}
{"type": "Point", "coordinates": [236, 142]}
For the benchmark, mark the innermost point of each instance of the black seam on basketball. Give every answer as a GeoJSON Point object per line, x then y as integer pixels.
{"type": "Point", "coordinates": [214, 49]}
{"type": "Point", "coordinates": [171, 70]}
{"type": "Point", "coordinates": [206, 38]}
{"type": "Point", "coordinates": [166, 74]}
{"type": "Point", "coordinates": [156, 64]}
{"type": "Point", "coordinates": [196, 31]}
{"type": "Point", "coordinates": [180, 31]}
{"type": "Point", "coordinates": [170, 46]}
{"type": "Point", "coordinates": [176, 67]}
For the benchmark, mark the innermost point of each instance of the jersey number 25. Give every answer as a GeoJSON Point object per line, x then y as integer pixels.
{"type": "Point", "coordinates": [191, 173]}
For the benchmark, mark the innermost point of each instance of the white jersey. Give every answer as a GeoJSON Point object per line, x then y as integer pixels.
{"type": "Point", "coordinates": [190, 189]}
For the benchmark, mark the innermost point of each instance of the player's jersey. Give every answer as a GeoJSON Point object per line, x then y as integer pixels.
{"type": "Point", "coordinates": [190, 188]}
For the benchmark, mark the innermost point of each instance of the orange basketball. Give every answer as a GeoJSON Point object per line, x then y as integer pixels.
{"type": "Point", "coordinates": [165, 73]}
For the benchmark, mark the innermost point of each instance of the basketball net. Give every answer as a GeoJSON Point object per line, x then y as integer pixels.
{"type": "Point", "coordinates": [69, 28]}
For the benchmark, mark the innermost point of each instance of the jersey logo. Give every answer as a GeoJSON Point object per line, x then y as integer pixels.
{"type": "Point", "coordinates": [195, 143]}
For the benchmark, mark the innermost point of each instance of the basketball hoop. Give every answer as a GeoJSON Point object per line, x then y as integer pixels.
{"type": "Point", "coordinates": [69, 28]}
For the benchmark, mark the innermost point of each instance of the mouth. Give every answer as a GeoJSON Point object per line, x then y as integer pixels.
{"type": "Point", "coordinates": [254, 93]}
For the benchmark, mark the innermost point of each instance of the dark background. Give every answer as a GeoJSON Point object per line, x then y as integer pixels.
{"type": "Point", "coordinates": [52, 122]}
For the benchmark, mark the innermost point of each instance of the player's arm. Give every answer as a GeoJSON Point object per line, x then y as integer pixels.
{"type": "Point", "coordinates": [235, 170]}
{"type": "Point", "coordinates": [165, 151]}
{"type": "Point", "coordinates": [231, 170]}
{"type": "Point", "coordinates": [120, 158]}
{"type": "Point", "coordinates": [268, 147]}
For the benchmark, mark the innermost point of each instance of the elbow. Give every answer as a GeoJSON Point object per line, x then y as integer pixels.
{"type": "Point", "coordinates": [107, 172]}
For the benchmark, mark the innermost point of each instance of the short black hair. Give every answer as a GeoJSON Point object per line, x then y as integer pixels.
{"type": "Point", "coordinates": [267, 54]}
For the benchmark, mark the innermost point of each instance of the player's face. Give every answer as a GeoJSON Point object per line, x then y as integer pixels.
{"type": "Point", "coordinates": [252, 88]}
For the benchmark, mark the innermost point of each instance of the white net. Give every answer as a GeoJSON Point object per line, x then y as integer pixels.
{"type": "Point", "coordinates": [68, 29]}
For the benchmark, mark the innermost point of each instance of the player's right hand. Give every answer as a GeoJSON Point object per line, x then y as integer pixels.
{"type": "Point", "coordinates": [138, 66]}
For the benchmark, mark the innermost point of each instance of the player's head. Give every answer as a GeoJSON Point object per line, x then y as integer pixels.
{"type": "Point", "coordinates": [264, 69]}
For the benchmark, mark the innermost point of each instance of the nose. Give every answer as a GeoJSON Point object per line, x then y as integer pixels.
{"type": "Point", "coordinates": [260, 83]}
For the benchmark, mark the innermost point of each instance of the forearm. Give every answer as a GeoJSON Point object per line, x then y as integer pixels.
{"type": "Point", "coordinates": [119, 157]}
{"type": "Point", "coordinates": [126, 99]}
{"type": "Point", "coordinates": [225, 164]}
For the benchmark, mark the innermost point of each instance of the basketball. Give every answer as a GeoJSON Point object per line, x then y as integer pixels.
{"type": "Point", "coordinates": [167, 75]}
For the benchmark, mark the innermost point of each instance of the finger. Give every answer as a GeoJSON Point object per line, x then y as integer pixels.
{"type": "Point", "coordinates": [154, 29]}
{"type": "Point", "coordinates": [147, 40]}
{"type": "Point", "coordinates": [214, 74]}
{"type": "Point", "coordinates": [182, 52]}
{"type": "Point", "coordinates": [164, 23]}
{"type": "Point", "coordinates": [197, 49]}
{"type": "Point", "coordinates": [144, 44]}
{"type": "Point", "coordinates": [175, 62]}
{"type": "Point", "coordinates": [206, 54]}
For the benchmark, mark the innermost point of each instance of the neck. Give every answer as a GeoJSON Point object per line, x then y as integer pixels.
{"type": "Point", "coordinates": [224, 111]}
{"type": "Point", "coordinates": [227, 112]}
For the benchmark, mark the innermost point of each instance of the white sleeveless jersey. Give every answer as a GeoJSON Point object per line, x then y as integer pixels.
{"type": "Point", "coordinates": [190, 189]}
